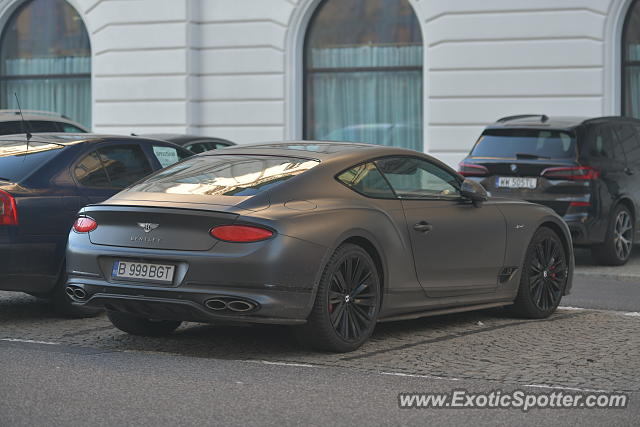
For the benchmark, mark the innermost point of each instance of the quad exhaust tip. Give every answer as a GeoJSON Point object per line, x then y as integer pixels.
{"type": "Point", "coordinates": [230, 304]}
{"type": "Point", "coordinates": [75, 293]}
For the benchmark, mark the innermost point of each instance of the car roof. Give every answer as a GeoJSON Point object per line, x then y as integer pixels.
{"type": "Point", "coordinates": [542, 121]}
{"type": "Point", "coordinates": [61, 138]}
{"type": "Point", "coordinates": [45, 116]}
{"type": "Point", "coordinates": [182, 139]}
{"type": "Point", "coordinates": [340, 154]}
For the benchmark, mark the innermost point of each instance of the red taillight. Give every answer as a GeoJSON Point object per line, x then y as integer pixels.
{"type": "Point", "coordinates": [583, 173]}
{"type": "Point", "coordinates": [240, 233]}
{"type": "Point", "coordinates": [580, 204]}
{"type": "Point", "coordinates": [85, 224]}
{"type": "Point", "coordinates": [469, 169]}
{"type": "Point", "coordinates": [8, 210]}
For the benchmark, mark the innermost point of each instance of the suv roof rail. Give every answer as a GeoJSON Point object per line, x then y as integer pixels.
{"type": "Point", "coordinates": [543, 117]}
{"type": "Point", "coordinates": [39, 112]}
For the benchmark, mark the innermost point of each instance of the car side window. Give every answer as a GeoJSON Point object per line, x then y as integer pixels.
{"type": "Point", "coordinates": [125, 164]}
{"type": "Point", "coordinates": [69, 128]}
{"type": "Point", "coordinates": [367, 180]}
{"type": "Point", "coordinates": [628, 137]}
{"type": "Point", "coordinates": [167, 156]}
{"type": "Point", "coordinates": [602, 143]}
{"type": "Point", "coordinates": [413, 178]}
{"type": "Point", "coordinates": [198, 147]}
{"type": "Point", "coordinates": [89, 171]}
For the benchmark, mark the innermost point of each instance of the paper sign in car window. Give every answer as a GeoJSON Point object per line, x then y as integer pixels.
{"type": "Point", "coordinates": [166, 155]}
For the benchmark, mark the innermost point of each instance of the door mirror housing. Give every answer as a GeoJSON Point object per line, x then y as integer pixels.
{"type": "Point", "coordinates": [473, 191]}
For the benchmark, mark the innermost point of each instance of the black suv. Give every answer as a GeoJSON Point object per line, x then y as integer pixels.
{"type": "Point", "coordinates": [586, 169]}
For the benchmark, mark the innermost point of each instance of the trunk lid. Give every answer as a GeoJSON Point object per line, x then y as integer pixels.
{"type": "Point", "coordinates": [156, 227]}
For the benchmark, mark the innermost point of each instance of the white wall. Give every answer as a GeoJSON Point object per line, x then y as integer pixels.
{"type": "Point", "coordinates": [232, 68]}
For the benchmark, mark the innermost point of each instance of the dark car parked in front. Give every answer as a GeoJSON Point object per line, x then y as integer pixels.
{"type": "Point", "coordinates": [197, 144]}
{"type": "Point", "coordinates": [45, 183]}
{"type": "Point", "coordinates": [586, 169]}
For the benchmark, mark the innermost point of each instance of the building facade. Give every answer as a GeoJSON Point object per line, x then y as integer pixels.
{"type": "Point", "coordinates": [425, 74]}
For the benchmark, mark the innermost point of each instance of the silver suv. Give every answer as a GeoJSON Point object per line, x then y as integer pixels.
{"type": "Point", "coordinates": [37, 121]}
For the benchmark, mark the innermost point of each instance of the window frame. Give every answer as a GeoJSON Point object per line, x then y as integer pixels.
{"type": "Point", "coordinates": [308, 71]}
{"type": "Point", "coordinates": [57, 76]}
{"type": "Point", "coordinates": [454, 174]}
{"type": "Point", "coordinates": [624, 61]}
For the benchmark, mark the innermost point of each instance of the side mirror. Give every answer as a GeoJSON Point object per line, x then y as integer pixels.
{"type": "Point", "coordinates": [473, 191]}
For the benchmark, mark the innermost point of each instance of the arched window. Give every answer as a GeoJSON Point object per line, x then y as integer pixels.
{"type": "Point", "coordinates": [631, 62]}
{"type": "Point", "coordinates": [45, 58]}
{"type": "Point", "coordinates": [363, 73]}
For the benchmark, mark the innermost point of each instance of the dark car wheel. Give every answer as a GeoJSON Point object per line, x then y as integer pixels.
{"type": "Point", "coordinates": [618, 243]}
{"type": "Point", "coordinates": [63, 304]}
{"type": "Point", "coordinates": [140, 326]}
{"type": "Point", "coordinates": [544, 276]}
{"type": "Point", "coordinates": [347, 303]}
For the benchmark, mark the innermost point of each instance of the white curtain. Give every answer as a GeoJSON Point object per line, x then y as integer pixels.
{"type": "Point", "coordinates": [70, 96]}
{"type": "Point", "coordinates": [381, 106]}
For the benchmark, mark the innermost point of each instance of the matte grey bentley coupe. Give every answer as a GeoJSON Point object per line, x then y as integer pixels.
{"type": "Point", "coordinates": [328, 237]}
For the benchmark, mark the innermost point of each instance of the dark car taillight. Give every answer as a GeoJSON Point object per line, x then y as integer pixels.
{"type": "Point", "coordinates": [8, 210]}
{"type": "Point", "coordinates": [576, 173]}
{"type": "Point", "coordinates": [84, 224]}
{"type": "Point", "coordinates": [240, 233]}
{"type": "Point", "coordinates": [469, 169]}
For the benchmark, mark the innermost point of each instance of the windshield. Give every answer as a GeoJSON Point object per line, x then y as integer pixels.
{"type": "Point", "coordinates": [16, 163]}
{"type": "Point", "coordinates": [225, 175]}
{"type": "Point", "coordinates": [525, 143]}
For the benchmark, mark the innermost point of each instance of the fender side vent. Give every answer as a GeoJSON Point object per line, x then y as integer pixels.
{"type": "Point", "coordinates": [507, 274]}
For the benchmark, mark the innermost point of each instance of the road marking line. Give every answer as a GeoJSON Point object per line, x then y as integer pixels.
{"type": "Point", "coordinates": [633, 314]}
{"type": "Point", "coordinates": [562, 307]}
{"type": "Point", "coordinates": [300, 365]}
{"type": "Point", "coordinates": [28, 341]}
{"type": "Point", "coordinates": [431, 377]}
{"type": "Point", "coordinates": [565, 388]}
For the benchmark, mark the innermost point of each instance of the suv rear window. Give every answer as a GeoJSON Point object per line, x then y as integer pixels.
{"type": "Point", "coordinates": [525, 143]}
{"type": "Point", "coordinates": [17, 163]}
{"type": "Point", "coordinates": [225, 175]}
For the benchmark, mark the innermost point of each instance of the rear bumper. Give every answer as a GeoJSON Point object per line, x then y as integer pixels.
{"type": "Point", "coordinates": [586, 230]}
{"type": "Point", "coordinates": [277, 307]}
{"type": "Point", "coordinates": [278, 276]}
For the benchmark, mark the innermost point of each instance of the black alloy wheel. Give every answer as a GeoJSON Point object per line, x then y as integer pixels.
{"type": "Point", "coordinates": [547, 273]}
{"type": "Point", "coordinates": [544, 276]}
{"type": "Point", "coordinates": [353, 297]}
{"type": "Point", "coordinates": [618, 244]}
{"type": "Point", "coordinates": [346, 307]}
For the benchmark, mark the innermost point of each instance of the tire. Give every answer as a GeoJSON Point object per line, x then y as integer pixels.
{"type": "Point", "coordinates": [618, 244]}
{"type": "Point", "coordinates": [544, 276]}
{"type": "Point", "coordinates": [347, 303]}
{"type": "Point", "coordinates": [140, 326]}
{"type": "Point", "coordinates": [65, 307]}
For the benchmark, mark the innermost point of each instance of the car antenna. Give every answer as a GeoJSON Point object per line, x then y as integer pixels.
{"type": "Point", "coordinates": [25, 127]}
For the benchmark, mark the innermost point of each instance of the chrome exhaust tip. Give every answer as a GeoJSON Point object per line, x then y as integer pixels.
{"type": "Point", "coordinates": [69, 291]}
{"type": "Point", "coordinates": [215, 304]}
{"type": "Point", "coordinates": [79, 293]}
{"type": "Point", "coordinates": [240, 306]}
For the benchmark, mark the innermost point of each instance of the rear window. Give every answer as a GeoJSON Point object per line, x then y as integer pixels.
{"type": "Point", "coordinates": [225, 175]}
{"type": "Point", "coordinates": [525, 143]}
{"type": "Point", "coordinates": [16, 163]}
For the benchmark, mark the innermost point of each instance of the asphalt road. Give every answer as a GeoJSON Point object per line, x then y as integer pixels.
{"type": "Point", "coordinates": [56, 385]}
{"type": "Point", "coordinates": [62, 372]}
{"type": "Point", "coordinates": [604, 292]}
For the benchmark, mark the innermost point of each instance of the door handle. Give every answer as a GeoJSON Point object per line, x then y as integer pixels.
{"type": "Point", "coordinates": [628, 171]}
{"type": "Point", "coordinates": [423, 227]}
